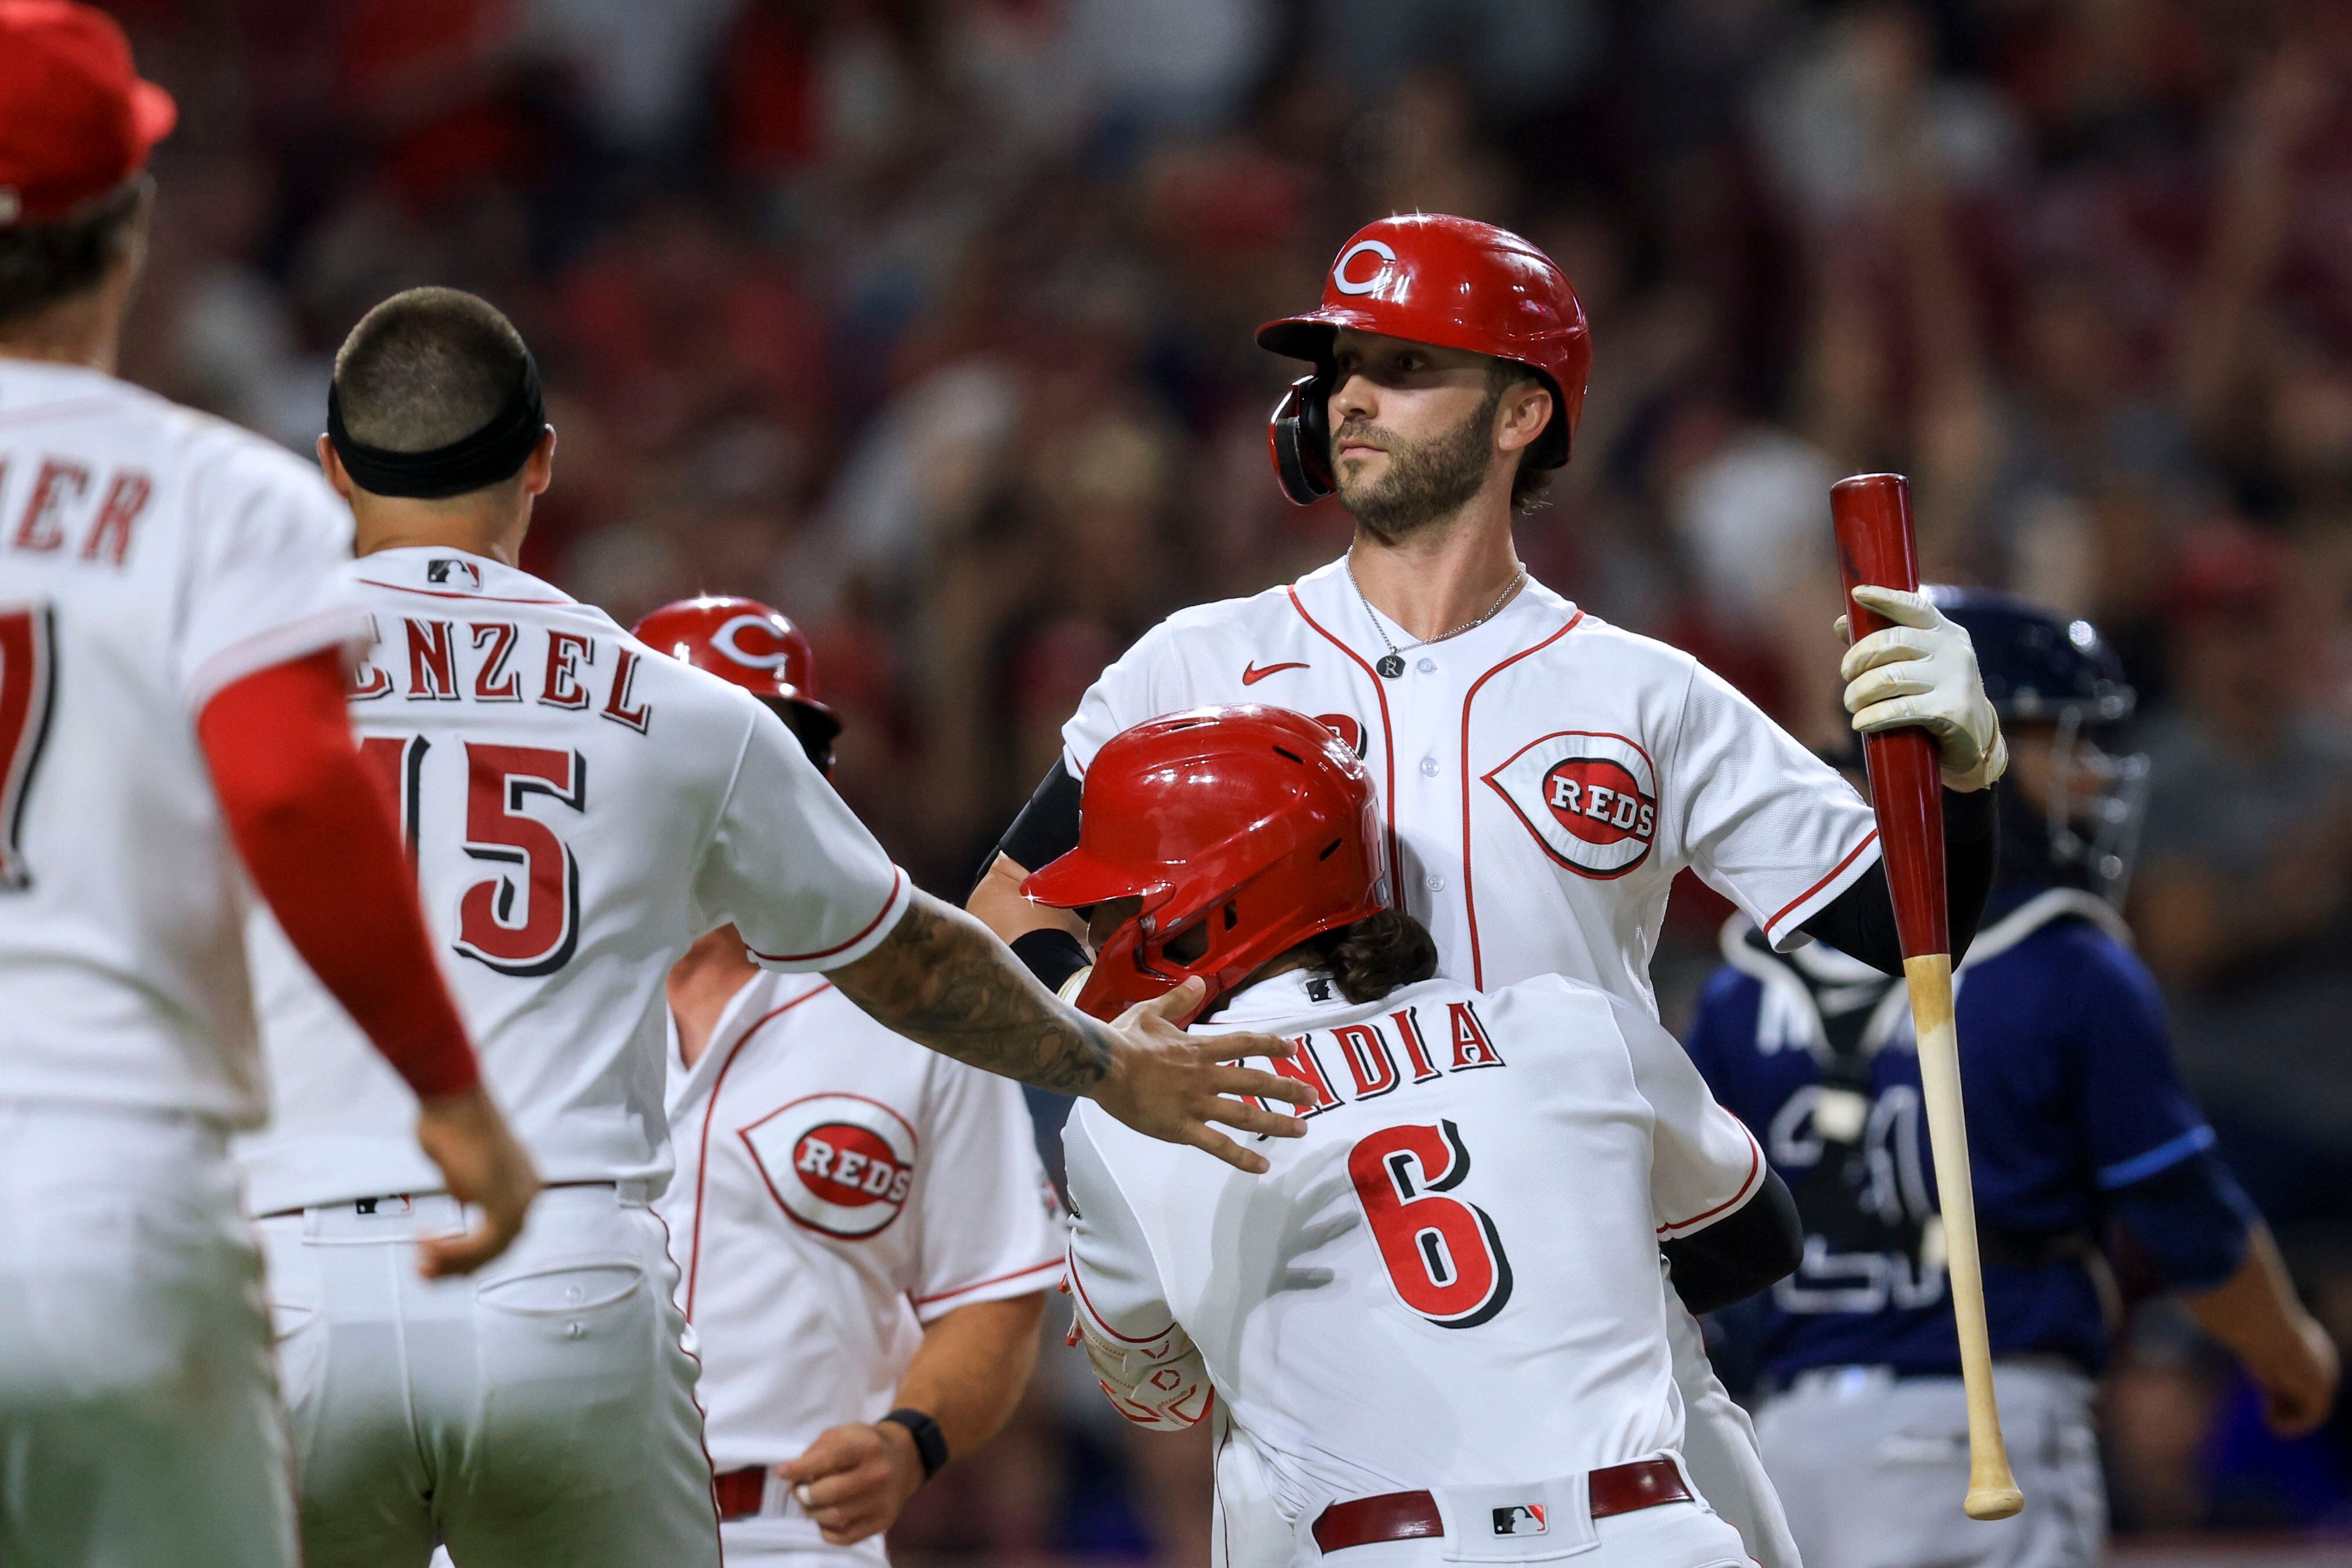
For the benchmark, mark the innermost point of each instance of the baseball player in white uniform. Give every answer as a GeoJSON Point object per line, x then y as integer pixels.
{"type": "Point", "coordinates": [864, 1231]}
{"type": "Point", "coordinates": [1543, 774]}
{"type": "Point", "coordinates": [578, 810]}
{"type": "Point", "coordinates": [172, 636]}
{"type": "Point", "coordinates": [1435, 1332]}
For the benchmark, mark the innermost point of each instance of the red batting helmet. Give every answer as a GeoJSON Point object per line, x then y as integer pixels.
{"type": "Point", "coordinates": [1254, 826]}
{"type": "Point", "coordinates": [1430, 279]}
{"type": "Point", "coordinates": [750, 644]}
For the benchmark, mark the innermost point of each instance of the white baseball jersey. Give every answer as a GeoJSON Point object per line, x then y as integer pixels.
{"type": "Point", "coordinates": [580, 808]}
{"type": "Point", "coordinates": [1452, 1279]}
{"type": "Point", "coordinates": [839, 1187]}
{"type": "Point", "coordinates": [148, 556]}
{"type": "Point", "coordinates": [1544, 775]}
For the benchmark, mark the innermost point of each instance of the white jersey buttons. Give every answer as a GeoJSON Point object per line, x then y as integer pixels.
{"type": "Point", "coordinates": [1429, 767]}
{"type": "Point", "coordinates": [1434, 882]}
{"type": "Point", "coordinates": [1428, 667]}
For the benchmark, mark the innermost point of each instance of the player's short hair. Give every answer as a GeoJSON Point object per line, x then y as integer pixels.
{"type": "Point", "coordinates": [1531, 485]}
{"type": "Point", "coordinates": [1373, 956]}
{"type": "Point", "coordinates": [427, 367]}
{"type": "Point", "coordinates": [42, 263]}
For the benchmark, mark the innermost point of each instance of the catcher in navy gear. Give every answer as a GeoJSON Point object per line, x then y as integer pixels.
{"type": "Point", "coordinates": [2078, 1124]}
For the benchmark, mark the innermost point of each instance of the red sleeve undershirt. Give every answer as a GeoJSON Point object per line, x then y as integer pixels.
{"type": "Point", "coordinates": [318, 839]}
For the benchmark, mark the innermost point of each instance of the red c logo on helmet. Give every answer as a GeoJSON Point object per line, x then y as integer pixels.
{"type": "Point", "coordinates": [1339, 279]}
{"type": "Point", "coordinates": [727, 640]}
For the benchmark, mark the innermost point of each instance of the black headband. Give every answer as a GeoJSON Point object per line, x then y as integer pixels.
{"type": "Point", "coordinates": [497, 452]}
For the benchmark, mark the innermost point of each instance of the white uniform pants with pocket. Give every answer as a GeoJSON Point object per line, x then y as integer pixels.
{"type": "Point", "coordinates": [1872, 1468]}
{"type": "Point", "coordinates": [138, 1417]}
{"type": "Point", "coordinates": [1720, 1448]}
{"type": "Point", "coordinates": [539, 1412]}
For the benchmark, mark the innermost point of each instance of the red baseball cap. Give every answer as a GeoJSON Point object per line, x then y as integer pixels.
{"type": "Point", "coordinates": [76, 120]}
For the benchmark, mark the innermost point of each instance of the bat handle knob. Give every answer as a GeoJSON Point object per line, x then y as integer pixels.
{"type": "Point", "coordinates": [1993, 1502]}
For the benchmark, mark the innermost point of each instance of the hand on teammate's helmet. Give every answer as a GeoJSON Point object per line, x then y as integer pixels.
{"type": "Point", "coordinates": [1922, 670]}
{"type": "Point", "coordinates": [1168, 1085]}
{"type": "Point", "coordinates": [481, 1164]}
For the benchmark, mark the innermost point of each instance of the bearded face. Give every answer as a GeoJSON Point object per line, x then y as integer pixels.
{"type": "Point", "coordinates": [1425, 480]}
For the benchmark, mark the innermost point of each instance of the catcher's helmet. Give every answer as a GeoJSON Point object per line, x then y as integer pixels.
{"type": "Point", "coordinates": [2039, 667]}
{"type": "Point", "coordinates": [1430, 279]}
{"type": "Point", "coordinates": [1254, 826]}
{"type": "Point", "coordinates": [754, 646]}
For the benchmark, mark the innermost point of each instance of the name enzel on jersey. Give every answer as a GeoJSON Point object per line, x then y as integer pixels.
{"type": "Point", "coordinates": [1379, 1056]}
{"type": "Point", "coordinates": [489, 660]}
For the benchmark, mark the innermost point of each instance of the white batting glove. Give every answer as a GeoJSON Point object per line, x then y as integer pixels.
{"type": "Point", "coordinates": [1922, 670]}
{"type": "Point", "coordinates": [1161, 1384]}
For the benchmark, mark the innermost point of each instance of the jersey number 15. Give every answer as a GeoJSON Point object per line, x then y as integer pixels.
{"type": "Point", "coordinates": [523, 920]}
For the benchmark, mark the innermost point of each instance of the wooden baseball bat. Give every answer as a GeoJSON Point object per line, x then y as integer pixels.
{"type": "Point", "coordinates": [1872, 516]}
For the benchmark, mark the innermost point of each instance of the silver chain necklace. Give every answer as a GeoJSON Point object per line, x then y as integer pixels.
{"type": "Point", "coordinates": [1392, 666]}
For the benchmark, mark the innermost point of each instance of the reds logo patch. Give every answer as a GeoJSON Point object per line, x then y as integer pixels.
{"type": "Point", "coordinates": [838, 1163]}
{"type": "Point", "coordinates": [1591, 800]}
{"type": "Point", "coordinates": [1344, 725]}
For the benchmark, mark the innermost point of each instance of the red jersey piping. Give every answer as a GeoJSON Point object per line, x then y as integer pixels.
{"type": "Point", "coordinates": [710, 1110]}
{"type": "Point", "coordinates": [897, 877]}
{"type": "Point", "coordinates": [1469, 902]}
{"type": "Point", "coordinates": [1388, 745]}
{"type": "Point", "coordinates": [1868, 840]}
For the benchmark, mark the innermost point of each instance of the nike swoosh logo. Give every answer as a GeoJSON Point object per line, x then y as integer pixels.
{"type": "Point", "coordinates": [1252, 674]}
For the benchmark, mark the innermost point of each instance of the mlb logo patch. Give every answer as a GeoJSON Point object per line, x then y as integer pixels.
{"type": "Point", "coordinates": [1520, 1518]}
{"type": "Point", "coordinates": [462, 574]}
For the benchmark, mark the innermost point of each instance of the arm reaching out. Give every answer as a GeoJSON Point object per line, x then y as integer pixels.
{"type": "Point", "coordinates": [320, 847]}
{"type": "Point", "coordinates": [942, 981]}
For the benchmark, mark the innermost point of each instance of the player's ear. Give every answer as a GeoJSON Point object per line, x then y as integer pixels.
{"type": "Point", "coordinates": [538, 468]}
{"type": "Point", "coordinates": [332, 467]}
{"type": "Point", "coordinates": [1521, 416]}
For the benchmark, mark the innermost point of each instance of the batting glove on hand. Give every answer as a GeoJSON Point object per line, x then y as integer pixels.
{"type": "Point", "coordinates": [1161, 1383]}
{"type": "Point", "coordinates": [1922, 670]}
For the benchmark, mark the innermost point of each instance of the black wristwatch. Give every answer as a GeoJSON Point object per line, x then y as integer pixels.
{"type": "Point", "coordinates": [931, 1443]}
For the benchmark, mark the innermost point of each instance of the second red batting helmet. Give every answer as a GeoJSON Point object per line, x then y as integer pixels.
{"type": "Point", "coordinates": [1244, 831]}
{"type": "Point", "coordinates": [1430, 279]}
{"type": "Point", "coordinates": [745, 642]}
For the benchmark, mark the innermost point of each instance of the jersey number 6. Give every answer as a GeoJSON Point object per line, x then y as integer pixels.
{"type": "Point", "coordinates": [525, 921]}
{"type": "Point", "coordinates": [1442, 1255]}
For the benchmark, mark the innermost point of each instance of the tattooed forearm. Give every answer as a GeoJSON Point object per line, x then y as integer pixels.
{"type": "Point", "coordinates": [939, 979]}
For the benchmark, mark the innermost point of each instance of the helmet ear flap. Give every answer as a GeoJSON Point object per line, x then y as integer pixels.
{"type": "Point", "coordinates": [1298, 437]}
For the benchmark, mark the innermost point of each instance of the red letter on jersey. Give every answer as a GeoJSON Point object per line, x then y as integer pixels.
{"type": "Point", "coordinates": [110, 533]}
{"type": "Point", "coordinates": [1416, 1049]}
{"type": "Point", "coordinates": [499, 636]}
{"type": "Point", "coordinates": [1472, 1049]}
{"type": "Point", "coordinates": [1368, 1058]}
{"type": "Point", "coordinates": [432, 665]}
{"type": "Point", "coordinates": [39, 528]}
{"type": "Point", "coordinates": [616, 705]}
{"type": "Point", "coordinates": [1308, 1071]}
{"type": "Point", "coordinates": [566, 651]}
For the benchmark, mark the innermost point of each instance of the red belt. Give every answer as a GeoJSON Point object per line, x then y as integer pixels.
{"type": "Point", "coordinates": [740, 1492]}
{"type": "Point", "coordinates": [1403, 1515]}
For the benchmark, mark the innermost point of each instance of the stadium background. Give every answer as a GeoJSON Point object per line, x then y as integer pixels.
{"type": "Point", "coordinates": [928, 321]}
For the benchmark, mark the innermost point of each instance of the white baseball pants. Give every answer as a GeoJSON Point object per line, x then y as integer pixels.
{"type": "Point", "coordinates": [1720, 1447]}
{"type": "Point", "coordinates": [540, 1412]}
{"type": "Point", "coordinates": [138, 1417]}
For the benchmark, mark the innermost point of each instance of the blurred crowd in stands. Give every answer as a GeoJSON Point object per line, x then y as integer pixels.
{"type": "Point", "coordinates": [931, 322]}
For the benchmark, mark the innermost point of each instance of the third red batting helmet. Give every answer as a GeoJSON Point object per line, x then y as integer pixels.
{"type": "Point", "coordinates": [1430, 279]}
{"type": "Point", "coordinates": [1253, 826]}
{"type": "Point", "coordinates": [747, 643]}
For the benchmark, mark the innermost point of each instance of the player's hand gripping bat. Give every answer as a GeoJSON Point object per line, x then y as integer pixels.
{"type": "Point", "coordinates": [1872, 516]}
